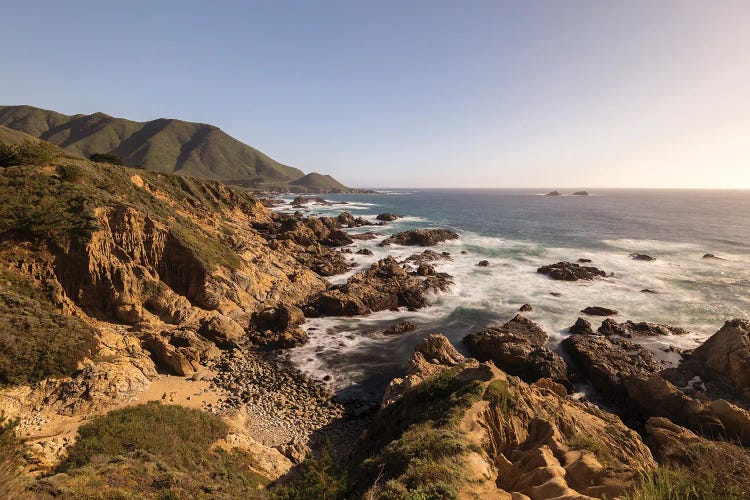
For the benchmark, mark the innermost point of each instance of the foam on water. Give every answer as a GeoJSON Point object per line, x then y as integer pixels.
{"type": "Point", "coordinates": [694, 293]}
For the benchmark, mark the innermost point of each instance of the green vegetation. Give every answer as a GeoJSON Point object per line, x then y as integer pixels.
{"type": "Point", "coordinates": [27, 153]}
{"type": "Point", "coordinates": [603, 455]}
{"type": "Point", "coordinates": [163, 145]}
{"type": "Point", "coordinates": [153, 451]}
{"type": "Point", "coordinates": [320, 477]}
{"type": "Point", "coordinates": [667, 483]}
{"type": "Point", "coordinates": [11, 478]}
{"type": "Point", "coordinates": [106, 158]}
{"type": "Point", "coordinates": [59, 206]}
{"type": "Point", "coordinates": [498, 394]}
{"type": "Point", "coordinates": [36, 339]}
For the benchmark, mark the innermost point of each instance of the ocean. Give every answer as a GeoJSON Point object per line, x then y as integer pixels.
{"type": "Point", "coordinates": [519, 230]}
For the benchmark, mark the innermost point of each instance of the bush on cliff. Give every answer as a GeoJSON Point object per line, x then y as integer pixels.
{"type": "Point", "coordinates": [11, 477]}
{"type": "Point", "coordinates": [36, 339]}
{"type": "Point", "coordinates": [153, 451]}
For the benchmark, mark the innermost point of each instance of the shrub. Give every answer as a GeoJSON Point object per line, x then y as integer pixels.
{"type": "Point", "coordinates": [321, 478]}
{"type": "Point", "coordinates": [106, 158]}
{"type": "Point", "coordinates": [154, 451]}
{"type": "Point", "coordinates": [11, 478]}
{"type": "Point", "coordinates": [498, 394]}
{"type": "Point", "coordinates": [36, 339]}
{"type": "Point", "coordinates": [27, 153]}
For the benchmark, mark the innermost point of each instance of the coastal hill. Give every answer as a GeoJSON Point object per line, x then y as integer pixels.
{"type": "Point", "coordinates": [166, 146]}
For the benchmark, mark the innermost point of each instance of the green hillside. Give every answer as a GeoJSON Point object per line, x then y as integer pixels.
{"type": "Point", "coordinates": [163, 145]}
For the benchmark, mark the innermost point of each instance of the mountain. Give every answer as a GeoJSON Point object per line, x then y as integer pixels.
{"type": "Point", "coordinates": [162, 145]}
{"type": "Point", "coordinates": [320, 181]}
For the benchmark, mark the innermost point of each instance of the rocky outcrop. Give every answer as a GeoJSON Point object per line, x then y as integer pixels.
{"type": "Point", "coordinates": [278, 327]}
{"type": "Point", "coordinates": [420, 237]}
{"type": "Point", "coordinates": [385, 286]}
{"type": "Point", "coordinates": [642, 257]}
{"type": "Point", "coordinates": [387, 217]}
{"type": "Point", "coordinates": [525, 308]}
{"type": "Point", "coordinates": [605, 361]}
{"type": "Point", "coordinates": [720, 367]}
{"type": "Point", "coordinates": [427, 256]}
{"type": "Point", "coordinates": [631, 329]}
{"type": "Point", "coordinates": [348, 220]}
{"type": "Point", "coordinates": [581, 193]}
{"type": "Point", "coordinates": [581, 327]}
{"type": "Point", "coordinates": [517, 347]}
{"type": "Point", "coordinates": [434, 354]}
{"type": "Point", "coordinates": [535, 442]}
{"type": "Point", "coordinates": [568, 271]}
{"type": "Point", "coordinates": [553, 193]}
{"type": "Point", "coordinates": [599, 311]}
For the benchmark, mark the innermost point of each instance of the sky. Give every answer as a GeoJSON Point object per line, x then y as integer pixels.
{"type": "Point", "coordinates": [471, 93]}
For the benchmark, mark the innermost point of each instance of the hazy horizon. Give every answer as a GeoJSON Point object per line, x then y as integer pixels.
{"type": "Point", "coordinates": [484, 94]}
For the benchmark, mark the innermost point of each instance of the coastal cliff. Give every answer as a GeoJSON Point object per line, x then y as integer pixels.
{"type": "Point", "coordinates": [144, 320]}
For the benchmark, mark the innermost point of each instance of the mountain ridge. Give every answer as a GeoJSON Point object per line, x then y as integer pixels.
{"type": "Point", "coordinates": [165, 145]}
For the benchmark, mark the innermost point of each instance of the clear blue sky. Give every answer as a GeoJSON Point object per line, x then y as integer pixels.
{"type": "Point", "coordinates": [415, 94]}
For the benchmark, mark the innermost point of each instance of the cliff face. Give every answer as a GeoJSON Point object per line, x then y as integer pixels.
{"type": "Point", "coordinates": [161, 272]}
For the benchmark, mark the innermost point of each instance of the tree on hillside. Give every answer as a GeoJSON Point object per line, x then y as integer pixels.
{"type": "Point", "coordinates": [106, 158]}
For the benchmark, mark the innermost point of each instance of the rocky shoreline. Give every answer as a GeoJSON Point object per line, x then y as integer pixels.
{"type": "Point", "coordinates": [215, 302]}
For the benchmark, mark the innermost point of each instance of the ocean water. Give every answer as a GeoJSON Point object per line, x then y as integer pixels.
{"type": "Point", "coordinates": [519, 230]}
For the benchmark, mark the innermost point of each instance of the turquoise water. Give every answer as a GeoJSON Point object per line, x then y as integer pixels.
{"type": "Point", "coordinates": [518, 231]}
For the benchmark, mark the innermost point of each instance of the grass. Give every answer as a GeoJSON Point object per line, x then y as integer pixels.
{"type": "Point", "coordinates": [498, 394]}
{"type": "Point", "coordinates": [667, 483]}
{"type": "Point", "coordinates": [582, 441]}
{"type": "Point", "coordinates": [36, 339]}
{"type": "Point", "coordinates": [153, 451]}
{"type": "Point", "coordinates": [319, 477]}
{"type": "Point", "coordinates": [11, 452]}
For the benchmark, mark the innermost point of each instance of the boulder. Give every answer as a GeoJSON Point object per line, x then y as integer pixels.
{"type": "Point", "coordinates": [385, 286]}
{"type": "Point", "coordinates": [425, 270]}
{"type": "Point", "coordinates": [278, 327]}
{"type": "Point", "coordinates": [387, 217]}
{"type": "Point", "coordinates": [599, 311]}
{"type": "Point", "coordinates": [484, 263]}
{"type": "Point", "coordinates": [584, 261]}
{"type": "Point", "coordinates": [518, 348]}
{"type": "Point", "coordinates": [364, 251]}
{"type": "Point", "coordinates": [725, 357]}
{"type": "Point", "coordinates": [525, 308]}
{"type": "Point", "coordinates": [399, 328]}
{"type": "Point", "coordinates": [428, 256]}
{"type": "Point", "coordinates": [221, 330]}
{"type": "Point", "coordinates": [631, 329]}
{"type": "Point", "coordinates": [581, 327]}
{"type": "Point", "coordinates": [604, 361]}
{"type": "Point", "coordinates": [420, 237]}
{"type": "Point", "coordinates": [568, 271]}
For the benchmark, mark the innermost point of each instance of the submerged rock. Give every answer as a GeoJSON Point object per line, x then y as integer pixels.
{"type": "Point", "coordinates": [568, 271]}
{"type": "Point", "coordinates": [420, 237]}
{"type": "Point", "coordinates": [642, 256]}
{"type": "Point", "coordinates": [399, 328]}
